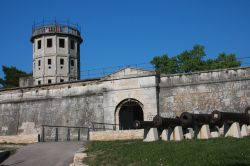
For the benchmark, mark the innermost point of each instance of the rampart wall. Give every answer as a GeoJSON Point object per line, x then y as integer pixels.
{"type": "Point", "coordinates": [223, 90]}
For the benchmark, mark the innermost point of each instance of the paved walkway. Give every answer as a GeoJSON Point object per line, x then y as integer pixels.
{"type": "Point", "coordinates": [44, 154]}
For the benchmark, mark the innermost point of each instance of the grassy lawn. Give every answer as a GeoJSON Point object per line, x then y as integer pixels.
{"type": "Point", "coordinates": [213, 152]}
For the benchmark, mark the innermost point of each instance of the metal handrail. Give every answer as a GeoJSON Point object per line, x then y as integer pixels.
{"type": "Point", "coordinates": [65, 126]}
{"type": "Point", "coordinates": [41, 138]}
{"type": "Point", "coordinates": [55, 22]}
{"type": "Point", "coordinates": [55, 29]}
{"type": "Point", "coordinates": [104, 128]}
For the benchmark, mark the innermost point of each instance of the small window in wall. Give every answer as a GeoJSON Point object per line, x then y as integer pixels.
{"type": "Point", "coordinates": [72, 44]}
{"type": "Point", "coordinates": [61, 43]}
{"type": "Point", "coordinates": [39, 82]}
{"type": "Point", "coordinates": [61, 80]}
{"type": "Point", "coordinates": [72, 62]}
{"type": "Point", "coordinates": [49, 42]}
{"type": "Point", "coordinates": [39, 62]}
{"type": "Point", "coordinates": [49, 61]}
{"type": "Point", "coordinates": [39, 44]}
{"type": "Point", "coordinates": [49, 81]}
{"type": "Point", "coordinates": [61, 61]}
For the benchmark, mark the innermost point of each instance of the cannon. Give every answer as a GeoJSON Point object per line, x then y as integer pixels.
{"type": "Point", "coordinates": [143, 124]}
{"type": "Point", "coordinates": [161, 122]}
{"type": "Point", "coordinates": [190, 120]}
{"type": "Point", "coordinates": [231, 117]}
{"type": "Point", "coordinates": [158, 122]}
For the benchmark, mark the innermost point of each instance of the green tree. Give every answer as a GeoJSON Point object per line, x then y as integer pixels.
{"type": "Point", "coordinates": [11, 78]}
{"type": "Point", "coordinates": [164, 64]}
{"type": "Point", "coordinates": [193, 60]}
{"type": "Point", "coordinates": [189, 61]}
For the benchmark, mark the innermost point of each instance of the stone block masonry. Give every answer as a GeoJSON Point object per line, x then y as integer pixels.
{"type": "Point", "coordinates": [116, 135]}
{"type": "Point", "coordinates": [75, 103]}
{"type": "Point", "coordinates": [223, 90]}
{"type": "Point", "coordinates": [24, 110]}
{"type": "Point", "coordinates": [51, 105]}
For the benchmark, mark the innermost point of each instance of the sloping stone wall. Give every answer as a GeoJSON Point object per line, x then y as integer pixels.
{"type": "Point", "coordinates": [73, 104]}
{"type": "Point", "coordinates": [77, 105]}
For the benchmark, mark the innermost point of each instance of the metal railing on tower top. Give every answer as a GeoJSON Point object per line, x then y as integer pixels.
{"type": "Point", "coordinates": [62, 27]}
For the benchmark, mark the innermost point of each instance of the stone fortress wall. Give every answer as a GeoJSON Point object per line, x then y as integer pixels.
{"type": "Point", "coordinates": [24, 110]}
{"type": "Point", "coordinates": [223, 90]}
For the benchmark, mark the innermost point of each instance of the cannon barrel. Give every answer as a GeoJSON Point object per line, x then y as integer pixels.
{"type": "Point", "coordinates": [189, 120]}
{"type": "Point", "coordinates": [161, 122]}
{"type": "Point", "coordinates": [143, 124]}
{"type": "Point", "coordinates": [230, 117]}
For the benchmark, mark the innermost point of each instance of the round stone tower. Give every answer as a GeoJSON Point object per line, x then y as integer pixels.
{"type": "Point", "coordinates": [56, 52]}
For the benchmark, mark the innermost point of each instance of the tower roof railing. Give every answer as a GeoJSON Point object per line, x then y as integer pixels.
{"type": "Point", "coordinates": [61, 27]}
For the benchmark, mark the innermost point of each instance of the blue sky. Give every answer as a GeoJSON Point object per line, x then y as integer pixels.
{"type": "Point", "coordinates": [121, 32]}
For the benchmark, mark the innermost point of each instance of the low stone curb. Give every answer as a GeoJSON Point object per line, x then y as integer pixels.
{"type": "Point", "coordinates": [79, 157]}
{"type": "Point", "coordinates": [19, 139]}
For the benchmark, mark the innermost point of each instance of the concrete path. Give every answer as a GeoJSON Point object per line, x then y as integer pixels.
{"type": "Point", "coordinates": [44, 154]}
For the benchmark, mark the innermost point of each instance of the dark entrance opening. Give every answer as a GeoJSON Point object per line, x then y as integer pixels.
{"type": "Point", "coordinates": [128, 113]}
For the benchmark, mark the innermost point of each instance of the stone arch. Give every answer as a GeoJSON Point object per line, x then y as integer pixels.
{"type": "Point", "coordinates": [127, 111]}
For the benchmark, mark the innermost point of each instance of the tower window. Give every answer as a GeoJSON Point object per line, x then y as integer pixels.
{"type": "Point", "coordinates": [49, 61]}
{"type": "Point", "coordinates": [61, 61]}
{"type": "Point", "coordinates": [39, 44]}
{"type": "Point", "coordinates": [39, 82]}
{"type": "Point", "coordinates": [72, 44]}
{"type": "Point", "coordinates": [61, 80]}
{"type": "Point", "coordinates": [61, 43]}
{"type": "Point", "coordinates": [49, 42]}
{"type": "Point", "coordinates": [49, 81]}
{"type": "Point", "coordinates": [72, 62]}
{"type": "Point", "coordinates": [39, 62]}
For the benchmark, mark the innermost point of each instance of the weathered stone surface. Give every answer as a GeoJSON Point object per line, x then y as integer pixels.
{"type": "Point", "coordinates": [176, 134]}
{"type": "Point", "coordinates": [232, 130]}
{"type": "Point", "coordinates": [78, 159]}
{"type": "Point", "coordinates": [79, 103]}
{"type": "Point", "coordinates": [204, 132]}
{"type": "Point", "coordinates": [165, 135]}
{"type": "Point", "coordinates": [115, 135]}
{"type": "Point", "coordinates": [75, 104]}
{"type": "Point", "coordinates": [151, 135]}
{"type": "Point", "coordinates": [224, 90]}
{"type": "Point", "coordinates": [244, 130]}
{"type": "Point", "coordinates": [19, 139]}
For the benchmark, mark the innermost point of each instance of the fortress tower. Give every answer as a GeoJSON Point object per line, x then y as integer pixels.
{"type": "Point", "coordinates": [56, 52]}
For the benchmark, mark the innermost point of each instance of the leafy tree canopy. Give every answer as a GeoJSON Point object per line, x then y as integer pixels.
{"type": "Point", "coordinates": [12, 75]}
{"type": "Point", "coordinates": [193, 60]}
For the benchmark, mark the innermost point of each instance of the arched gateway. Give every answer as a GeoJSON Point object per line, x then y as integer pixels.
{"type": "Point", "coordinates": [127, 112]}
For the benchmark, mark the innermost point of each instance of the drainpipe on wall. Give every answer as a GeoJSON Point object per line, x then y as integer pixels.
{"type": "Point", "coordinates": [157, 81]}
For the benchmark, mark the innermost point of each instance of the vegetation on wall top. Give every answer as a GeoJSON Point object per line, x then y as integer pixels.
{"type": "Point", "coordinates": [11, 78]}
{"type": "Point", "coordinates": [193, 60]}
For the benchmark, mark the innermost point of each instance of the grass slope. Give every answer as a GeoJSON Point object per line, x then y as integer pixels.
{"type": "Point", "coordinates": [213, 152]}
